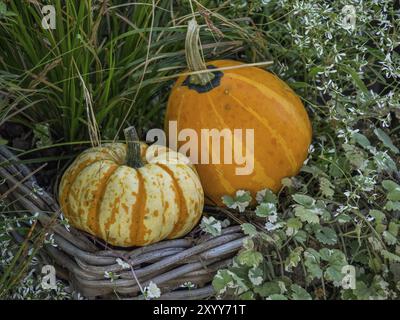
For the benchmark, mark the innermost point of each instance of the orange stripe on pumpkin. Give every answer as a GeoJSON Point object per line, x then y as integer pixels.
{"type": "Point", "coordinates": [227, 185]}
{"type": "Point", "coordinates": [179, 110]}
{"type": "Point", "coordinates": [269, 93]}
{"type": "Point", "coordinates": [183, 211]}
{"type": "Point", "coordinates": [285, 149]}
{"type": "Point", "coordinates": [138, 228]}
{"type": "Point", "coordinates": [70, 179]}
{"type": "Point", "coordinates": [94, 212]}
{"type": "Point", "coordinates": [113, 217]}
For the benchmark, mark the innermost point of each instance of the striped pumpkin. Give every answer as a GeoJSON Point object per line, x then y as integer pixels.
{"type": "Point", "coordinates": [131, 202]}
{"type": "Point", "coordinates": [244, 98]}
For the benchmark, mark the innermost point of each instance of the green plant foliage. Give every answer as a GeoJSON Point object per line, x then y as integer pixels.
{"type": "Point", "coordinates": [343, 209]}
{"type": "Point", "coordinates": [114, 57]}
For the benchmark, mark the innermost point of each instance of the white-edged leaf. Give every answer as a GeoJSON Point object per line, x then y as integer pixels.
{"type": "Point", "coordinates": [386, 140]}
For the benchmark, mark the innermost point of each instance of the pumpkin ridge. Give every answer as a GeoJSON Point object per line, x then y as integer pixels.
{"type": "Point", "coordinates": [286, 151]}
{"type": "Point", "coordinates": [114, 155]}
{"type": "Point", "coordinates": [94, 212]}
{"type": "Point", "coordinates": [220, 119]}
{"type": "Point", "coordinates": [226, 183]}
{"type": "Point", "coordinates": [164, 206]}
{"type": "Point", "coordinates": [179, 113]}
{"type": "Point", "coordinates": [138, 212]}
{"type": "Point", "coordinates": [70, 179]}
{"type": "Point", "coordinates": [223, 180]}
{"type": "Point", "coordinates": [262, 88]}
{"type": "Point", "coordinates": [183, 211]}
{"type": "Point", "coordinates": [113, 217]}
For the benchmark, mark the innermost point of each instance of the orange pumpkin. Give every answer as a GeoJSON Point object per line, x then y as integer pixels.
{"type": "Point", "coordinates": [132, 196]}
{"type": "Point", "coordinates": [243, 98]}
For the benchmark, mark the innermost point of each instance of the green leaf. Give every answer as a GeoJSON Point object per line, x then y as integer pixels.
{"type": "Point", "coordinates": [386, 140]}
{"type": "Point", "coordinates": [247, 296]}
{"type": "Point", "coordinates": [265, 209]}
{"type": "Point", "coordinates": [267, 196]}
{"type": "Point", "coordinates": [256, 276]}
{"type": "Point", "coordinates": [293, 259]}
{"type": "Point", "coordinates": [334, 273]}
{"type": "Point", "coordinates": [392, 206]}
{"type": "Point", "coordinates": [354, 155]}
{"type": "Point", "coordinates": [394, 195]}
{"type": "Point", "coordinates": [362, 291]}
{"type": "Point", "coordinates": [249, 229]}
{"type": "Point", "coordinates": [312, 263]}
{"type": "Point", "coordinates": [243, 196]}
{"type": "Point", "coordinates": [304, 200]}
{"type": "Point", "coordinates": [211, 225]}
{"type": "Point", "coordinates": [228, 201]}
{"type": "Point", "coordinates": [375, 243]}
{"type": "Point", "coordinates": [268, 238]}
{"type": "Point", "coordinates": [301, 236]}
{"type": "Point", "coordinates": [248, 243]}
{"type": "Point", "coordinates": [384, 162]}
{"type": "Point", "coordinates": [393, 188]}
{"type": "Point", "coordinates": [361, 140]}
{"type": "Point", "coordinates": [225, 279]}
{"type": "Point", "coordinates": [389, 238]}
{"type": "Point", "coordinates": [359, 83]}
{"type": "Point", "coordinates": [326, 187]}
{"type": "Point", "coordinates": [393, 228]}
{"type": "Point", "coordinates": [270, 288]}
{"type": "Point", "coordinates": [307, 215]}
{"type": "Point", "coordinates": [250, 258]}
{"type": "Point", "coordinates": [343, 218]}
{"type": "Point", "coordinates": [293, 225]}
{"type": "Point", "coordinates": [287, 182]}
{"type": "Point", "coordinates": [378, 215]}
{"type": "Point", "coordinates": [326, 235]}
{"type": "Point", "coordinates": [377, 290]}
{"type": "Point", "coordinates": [336, 261]}
{"type": "Point", "coordinates": [331, 255]}
{"type": "Point", "coordinates": [390, 256]}
{"type": "Point", "coordinates": [299, 293]}
{"type": "Point", "coordinates": [221, 280]}
{"type": "Point", "coordinates": [390, 185]}
{"type": "Point", "coordinates": [240, 202]}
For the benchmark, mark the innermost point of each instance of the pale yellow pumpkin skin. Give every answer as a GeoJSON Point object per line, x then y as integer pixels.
{"type": "Point", "coordinates": [125, 206]}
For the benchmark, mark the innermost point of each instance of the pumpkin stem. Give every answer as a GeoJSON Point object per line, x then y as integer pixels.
{"type": "Point", "coordinates": [194, 55]}
{"type": "Point", "coordinates": [133, 154]}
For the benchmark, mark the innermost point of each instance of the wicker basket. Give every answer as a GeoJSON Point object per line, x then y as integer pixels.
{"type": "Point", "coordinates": [83, 260]}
